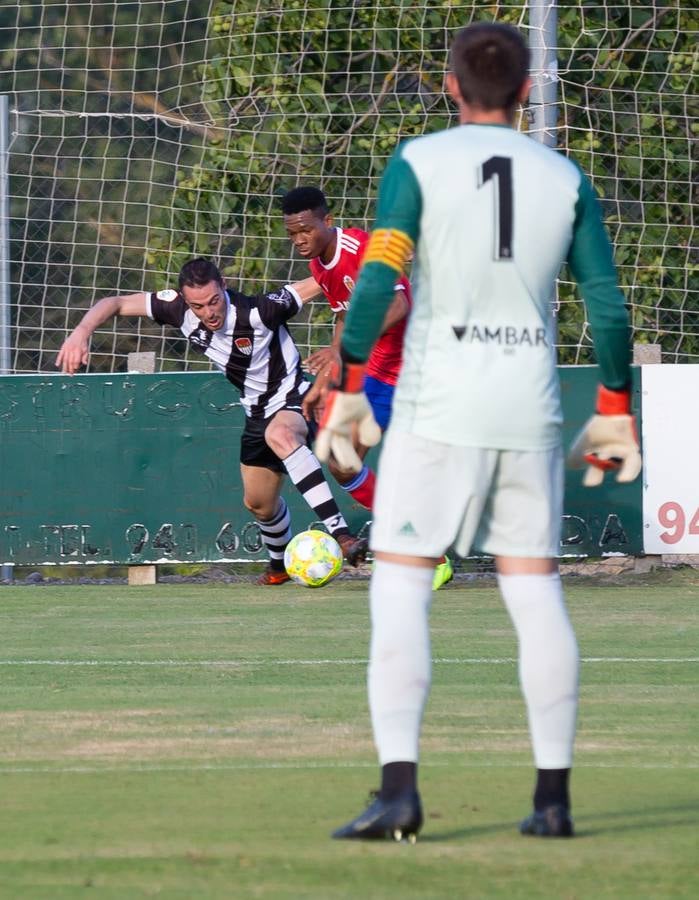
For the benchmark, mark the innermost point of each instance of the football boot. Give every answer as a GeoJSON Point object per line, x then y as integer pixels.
{"type": "Point", "coordinates": [443, 574]}
{"type": "Point", "coordinates": [354, 549]}
{"type": "Point", "coordinates": [551, 821]}
{"type": "Point", "coordinates": [398, 819]}
{"type": "Point", "coordinates": [272, 576]}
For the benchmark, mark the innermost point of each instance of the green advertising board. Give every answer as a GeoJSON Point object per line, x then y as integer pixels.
{"type": "Point", "coordinates": [142, 469]}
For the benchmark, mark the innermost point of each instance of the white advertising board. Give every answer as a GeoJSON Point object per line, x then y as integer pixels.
{"type": "Point", "coordinates": [670, 416]}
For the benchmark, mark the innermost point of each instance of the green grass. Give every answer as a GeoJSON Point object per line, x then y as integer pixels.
{"type": "Point", "coordinates": [201, 741]}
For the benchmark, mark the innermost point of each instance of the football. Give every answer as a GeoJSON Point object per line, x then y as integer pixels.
{"type": "Point", "coordinates": [313, 558]}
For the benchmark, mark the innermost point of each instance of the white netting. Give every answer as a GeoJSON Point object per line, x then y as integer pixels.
{"type": "Point", "coordinates": [146, 132]}
{"type": "Point", "coordinates": [628, 102]}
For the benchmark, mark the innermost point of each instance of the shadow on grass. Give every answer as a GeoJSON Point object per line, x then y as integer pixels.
{"type": "Point", "coordinates": [428, 836]}
{"type": "Point", "coordinates": [586, 826]}
{"type": "Point", "coordinates": [637, 819]}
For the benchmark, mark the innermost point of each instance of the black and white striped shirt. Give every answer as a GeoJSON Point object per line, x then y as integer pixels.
{"type": "Point", "coordinates": [253, 347]}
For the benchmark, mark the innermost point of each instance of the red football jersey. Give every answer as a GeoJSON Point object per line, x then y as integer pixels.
{"type": "Point", "coordinates": [337, 280]}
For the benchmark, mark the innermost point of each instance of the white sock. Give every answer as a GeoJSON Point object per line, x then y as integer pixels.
{"type": "Point", "coordinates": [548, 664]}
{"type": "Point", "coordinates": [400, 666]}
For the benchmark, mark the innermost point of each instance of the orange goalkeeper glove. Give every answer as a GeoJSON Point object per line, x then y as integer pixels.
{"type": "Point", "coordinates": [608, 441]}
{"type": "Point", "coordinates": [346, 404]}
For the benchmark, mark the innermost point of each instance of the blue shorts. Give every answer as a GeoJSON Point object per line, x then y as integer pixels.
{"type": "Point", "coordinates": [380, 397]}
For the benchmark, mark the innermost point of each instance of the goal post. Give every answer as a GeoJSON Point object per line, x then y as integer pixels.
{"type": "Point", "coordinates": [5, 360]}
{"type": "Point", "coordinates": [543, 34]}
{"type": "Point", "coordinates": [5, 355]}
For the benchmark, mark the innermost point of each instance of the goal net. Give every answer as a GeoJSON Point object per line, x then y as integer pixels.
{"type": "Point", "coordinates": [143, 133]}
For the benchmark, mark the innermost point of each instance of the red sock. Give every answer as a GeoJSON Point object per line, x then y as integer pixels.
{"type": "Point", "coordinates": [364, 494]}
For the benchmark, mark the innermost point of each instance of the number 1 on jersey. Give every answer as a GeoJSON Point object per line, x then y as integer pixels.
{"type": "Point", "coordinates": [499, 169]}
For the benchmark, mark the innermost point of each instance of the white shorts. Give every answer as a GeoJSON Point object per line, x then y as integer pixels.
{"type": "Point", "coordinates": [431, 496]}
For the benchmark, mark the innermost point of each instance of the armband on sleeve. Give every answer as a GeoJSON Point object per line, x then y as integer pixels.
{"type": "Point", "coordinates": [389, 246]}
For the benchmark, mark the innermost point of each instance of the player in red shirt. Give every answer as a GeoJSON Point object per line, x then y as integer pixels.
{"type": "Point", "coordinates": [335, 256]}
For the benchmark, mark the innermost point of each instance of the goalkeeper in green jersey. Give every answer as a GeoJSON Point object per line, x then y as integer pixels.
{"type": "Point", "coordinates": [473, 455]}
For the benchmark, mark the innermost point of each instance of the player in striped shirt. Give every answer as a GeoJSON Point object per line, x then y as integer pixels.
{"type": "Point", "coordinates": [335, 255]}
{"type": "Point", "coordinates": [473, 454]}
{"type": "Point", "coordinates": [246, 338]}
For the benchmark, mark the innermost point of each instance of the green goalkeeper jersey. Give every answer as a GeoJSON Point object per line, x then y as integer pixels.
{"type": "Point", "coordinates": [492, 215]}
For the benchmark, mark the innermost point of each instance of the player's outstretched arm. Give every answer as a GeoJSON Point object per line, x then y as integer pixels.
{"type": "Point", "coordinates": [75, 350]}
{"type": "Point", "coordinates": [307, 289]}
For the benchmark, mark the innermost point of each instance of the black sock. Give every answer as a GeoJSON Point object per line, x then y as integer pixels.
{"type": "Point", "coordinates": [397, 777]}
{"type": "Point", "coordinates": [551, 788]}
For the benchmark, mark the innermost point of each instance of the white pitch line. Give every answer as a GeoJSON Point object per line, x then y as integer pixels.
{"type": "Point", "coordinates": [239, 663]}
{"type": "Point", "coordinates": [308, 765]}
{"type": "Point", "coordinates": [641, 659]}
{"type": "Point", "coordinates": [231, 663]}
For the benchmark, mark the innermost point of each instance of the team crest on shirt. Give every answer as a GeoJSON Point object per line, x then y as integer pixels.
{"type": "Point", "coordinates": [167, 296]}
{"type": "Point", "coordinates": [348, 283]}
{"type": "Point", "coordinates": [244, 345]}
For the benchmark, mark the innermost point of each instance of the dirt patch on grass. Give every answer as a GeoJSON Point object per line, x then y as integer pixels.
{"type": "Point", "coordinates": [71, 720]}
{"type": "Point", "coordinates": [150, 735]}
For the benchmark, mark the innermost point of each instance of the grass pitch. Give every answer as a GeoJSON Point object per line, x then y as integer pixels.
{"type": "Point", "coordinates": [202, 741]}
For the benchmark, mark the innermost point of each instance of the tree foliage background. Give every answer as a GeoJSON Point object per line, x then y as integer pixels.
{"type": "Point", "coordinates": [148, 132]}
